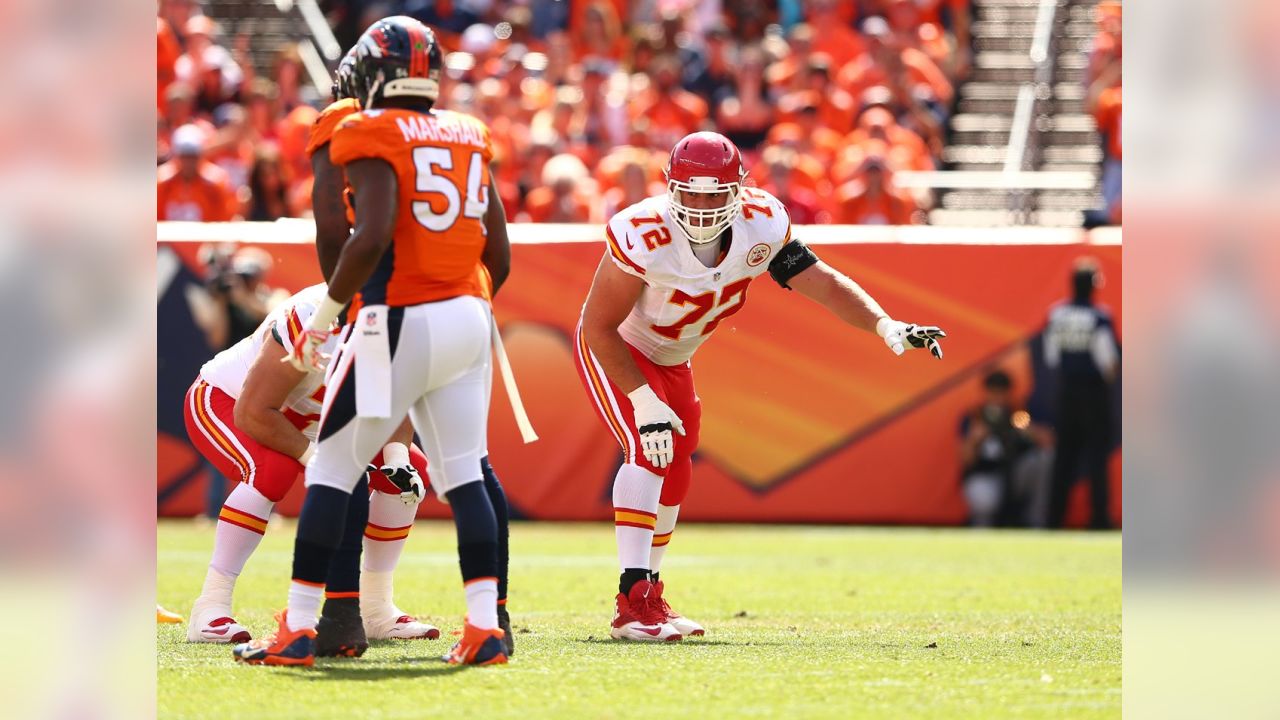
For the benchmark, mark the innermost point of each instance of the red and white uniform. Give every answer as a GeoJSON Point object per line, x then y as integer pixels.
{"type": "Point", "coordinates": [684, 301]}
{"type": "Point", "coordinates": [227, 370]}
{"type": "Point", "coordinates": [211, 401]}
{"type": "Point", "coordinates": [682, 304]}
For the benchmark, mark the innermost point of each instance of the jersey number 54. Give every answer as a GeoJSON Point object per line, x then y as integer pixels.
{"type": "Point", "coordinates": [426, 160]}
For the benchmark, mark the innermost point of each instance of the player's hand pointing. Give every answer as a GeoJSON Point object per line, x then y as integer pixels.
{"type": "Point", "coordinates": [655, 421]}
{"type": "Point", "coordinates": [899, 336]}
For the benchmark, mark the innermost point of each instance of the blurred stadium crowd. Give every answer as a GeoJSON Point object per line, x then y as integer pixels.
{"type": "Point", "coordinates": [827, 100]}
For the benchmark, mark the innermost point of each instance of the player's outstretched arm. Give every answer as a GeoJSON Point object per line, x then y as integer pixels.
{"type": "Point", "coordinates": [841, 295]}
{"type": "Point", "coordinates": [497, 246]}
{"type": "Point", "coordinates": [332, 229]}
{"type": "Point", "coordinates": [265, 390]}
{"type": "Point", "coordinates": [838, 293]}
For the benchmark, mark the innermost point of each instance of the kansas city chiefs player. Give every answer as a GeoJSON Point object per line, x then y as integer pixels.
{"type": "Point", "coordinates": [677, 265]}
{"type": "Point", "coordinates": [257, 419]}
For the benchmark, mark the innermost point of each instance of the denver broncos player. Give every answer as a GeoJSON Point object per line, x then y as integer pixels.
{"type": "Point", "coordinates": [333, 217]}
{"type": "Point", "coordinates": [256, 420]}
{"type": "Point", "coordinates": [328, 206]}
{"type": "Point", "coordinates": [425, 212]}
{"type": "Point", "coordinates": [677, 265]}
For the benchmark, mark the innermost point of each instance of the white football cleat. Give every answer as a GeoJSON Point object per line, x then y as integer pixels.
{"type": "Point", "coordinates": [637, 616]}
{"type": "Point", "coordinates": [212, 623]}
{"type": "Point", "coordinates": [395, 624]}
{"type": "Point", "coordinates": [687, 627]}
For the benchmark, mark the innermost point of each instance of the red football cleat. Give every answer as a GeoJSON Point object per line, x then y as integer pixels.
{"type": "Point", "coordinates": [639, 616]}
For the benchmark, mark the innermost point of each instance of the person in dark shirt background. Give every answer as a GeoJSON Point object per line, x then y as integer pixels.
{"type": "Point", "coordinates": [1080, 345]}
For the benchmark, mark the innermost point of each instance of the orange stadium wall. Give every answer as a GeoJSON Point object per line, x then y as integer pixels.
{"type": "Point", "coordinates": [804, 419]}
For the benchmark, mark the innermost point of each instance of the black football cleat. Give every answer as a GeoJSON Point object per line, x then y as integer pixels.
{"type": "Point", "coordinates": [340, 632]}
{"type": "Point", "coordinates": [504, 622]}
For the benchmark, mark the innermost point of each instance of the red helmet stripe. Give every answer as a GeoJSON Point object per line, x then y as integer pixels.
{"type": "Point", "coordinates": [417, 52]}
{"type": "Point", "coordinates": [413, 49]}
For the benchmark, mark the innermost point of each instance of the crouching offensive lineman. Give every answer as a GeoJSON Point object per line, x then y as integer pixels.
{"type": "Point", "coordinates": [256, 419]}
{"type": "Point", "coordinates": [676, 266]}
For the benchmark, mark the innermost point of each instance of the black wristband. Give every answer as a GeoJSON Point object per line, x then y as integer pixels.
{"type": "Point", "coordinates": [794, 258]}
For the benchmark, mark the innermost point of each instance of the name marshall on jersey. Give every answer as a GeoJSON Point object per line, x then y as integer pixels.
{"type": "Point", "coordinates": [442, 128]}
{"type": "Point", "coordinates": [684, 301]}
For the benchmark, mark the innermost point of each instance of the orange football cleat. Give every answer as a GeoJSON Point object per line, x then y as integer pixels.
{"type": "Point", "coordinates": [478, 647]}
{"type": "Point", "coordinates": [164, 617]}
{"type": "Point", "coordinates": [286, 647]}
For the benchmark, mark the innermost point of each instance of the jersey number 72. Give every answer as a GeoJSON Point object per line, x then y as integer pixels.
{"type": "Point", "coordinates": [702, 304]}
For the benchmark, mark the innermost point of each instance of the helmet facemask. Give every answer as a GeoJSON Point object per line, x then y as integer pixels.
{"type": "Point", "coordinates": [701, 226]}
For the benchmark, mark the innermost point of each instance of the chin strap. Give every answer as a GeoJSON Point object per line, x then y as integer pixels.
{"type": "Point", "coordinates": [373, 90]}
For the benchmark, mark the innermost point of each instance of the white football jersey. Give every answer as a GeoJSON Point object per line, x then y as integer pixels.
{"type": "Point", "coordinates": [228, 369]}
{"type": "Point", "coordinates": [684, 300]}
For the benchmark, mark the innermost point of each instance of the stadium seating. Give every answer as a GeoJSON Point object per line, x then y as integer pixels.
{"type": "Point", "coordinates": [1061, 136]}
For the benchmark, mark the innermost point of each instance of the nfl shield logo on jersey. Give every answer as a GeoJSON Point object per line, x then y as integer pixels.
{"type": "Point", "coordinates": [757, 254]}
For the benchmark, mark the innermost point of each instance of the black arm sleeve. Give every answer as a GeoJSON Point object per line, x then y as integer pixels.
{"type": "Point", "coordinates": [794, 258]}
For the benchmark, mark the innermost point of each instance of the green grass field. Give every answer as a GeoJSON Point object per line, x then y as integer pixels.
{"type": "Point", "coordinates": [801, 622]}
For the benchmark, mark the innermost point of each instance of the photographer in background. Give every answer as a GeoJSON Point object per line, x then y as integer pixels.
{"type": "Point", "coordinates": [231, 305]}
{"type": "Point", "coordinates": [1004, 470]}
{"type": "Point", "coordinates": [238, 300]}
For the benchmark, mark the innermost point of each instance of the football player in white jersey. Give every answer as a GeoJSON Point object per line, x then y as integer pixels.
{"type": "Point", "coordinates": [256, 419]}
{"type": "Point", "coordinates": [677, 265]}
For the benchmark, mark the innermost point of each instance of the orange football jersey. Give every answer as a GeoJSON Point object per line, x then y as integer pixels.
{"type": "Point", "coordinates": [322, 133]}
{"type": "Point", "coordinates": [441, 160]}
{"type": "Point", "coordinates": [322, 129]}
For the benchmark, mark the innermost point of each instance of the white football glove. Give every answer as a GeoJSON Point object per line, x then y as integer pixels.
{"type": "Point", "coordinates": [406, 480]}
{"type": "Point", "coordinates": [899, 336]}
{"type": "Point", "coordinates": [655, 420]}
{"type": "Point", "coordinates": [305, 354]}
{"type": "Point", "coordinates": [401, 472]}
